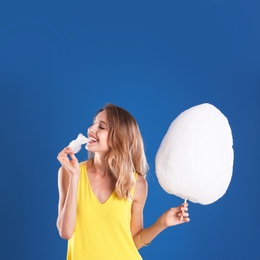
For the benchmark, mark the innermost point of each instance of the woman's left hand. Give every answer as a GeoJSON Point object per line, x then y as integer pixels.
{"type": "Point", "coordinates": [175, 216]}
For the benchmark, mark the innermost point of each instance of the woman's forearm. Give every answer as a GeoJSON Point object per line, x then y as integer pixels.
{"type": "Point", "coordinates": [172, 217]}
{"type": "Point", "coordinates": [145, 236]}
{"type": "Point", "coordinates": [67, 217]}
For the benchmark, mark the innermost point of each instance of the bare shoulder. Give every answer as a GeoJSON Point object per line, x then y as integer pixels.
{"type": "Point", "coordinates": [140, 181]}
{"type": "Point", "coordinates": [141, 188]}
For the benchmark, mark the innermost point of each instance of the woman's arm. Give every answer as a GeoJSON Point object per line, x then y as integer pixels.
{"type": "Point", "coordinates": [171, 217]}
{"type": "Point", "coordinates": [68, 178]}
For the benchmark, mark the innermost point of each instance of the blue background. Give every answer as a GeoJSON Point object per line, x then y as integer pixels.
{"type": "Point", "coordinates": [60, 61]}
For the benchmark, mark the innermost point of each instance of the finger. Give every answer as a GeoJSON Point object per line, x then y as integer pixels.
{"type": "Point", "coordinates": [183, 215]}
{"type": "Point", "coordinates": [68, 150]}
{"type": "Point", "coordinates": [184, 205]}
{"type": "Point", "coordinates": [62, 155]}
{"type": "Point", "coordinates": [184, 208]}
{"type": "Point", "coordinates": [73, 157]}
{"type": "Point", "coordinates": [65, 152]}
{"type": "Point", "coordinates": [63, 160]}
{"type": "Point", "coordinates": [186, 220]}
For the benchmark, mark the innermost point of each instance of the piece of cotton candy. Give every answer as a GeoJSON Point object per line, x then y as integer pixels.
{"type": "Point", "coordinates": [195, 158]}
{"type": "Point", "coordinates": [75, 145]}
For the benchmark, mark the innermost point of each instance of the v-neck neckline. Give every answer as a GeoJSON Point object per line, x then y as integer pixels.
{"type": "Point", "coordinates": [94, 195]}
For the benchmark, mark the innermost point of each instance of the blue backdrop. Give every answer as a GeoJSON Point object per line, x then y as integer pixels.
{"type": "Point", "coordinates": [60, 61]}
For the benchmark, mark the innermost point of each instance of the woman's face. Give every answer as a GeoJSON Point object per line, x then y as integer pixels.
{"type": "Point", "coordinates": [98, 134]}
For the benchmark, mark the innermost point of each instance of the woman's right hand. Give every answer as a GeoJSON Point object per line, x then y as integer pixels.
{"type": "Point", "coordinates": [71, 165]}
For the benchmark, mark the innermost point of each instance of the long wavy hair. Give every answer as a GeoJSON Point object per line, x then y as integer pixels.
{"type": "Point", "coordinates": [126, 155]}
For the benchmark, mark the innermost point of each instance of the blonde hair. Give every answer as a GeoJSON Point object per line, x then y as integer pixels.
{"type": "Point", "coordinates": [126, 155]}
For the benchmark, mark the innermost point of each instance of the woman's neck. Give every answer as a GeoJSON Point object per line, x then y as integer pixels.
{"type": "Point", "coordinates": [99, 165]}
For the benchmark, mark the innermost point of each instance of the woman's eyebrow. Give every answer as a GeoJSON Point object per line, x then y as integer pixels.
{"type": "Point", "coordinates": [103, 122]}
{"type": "Point", "coordinates": [100, 121]}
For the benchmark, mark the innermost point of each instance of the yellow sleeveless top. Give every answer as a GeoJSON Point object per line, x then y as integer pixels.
{"type": "Point", "coordinates": [102, 230]}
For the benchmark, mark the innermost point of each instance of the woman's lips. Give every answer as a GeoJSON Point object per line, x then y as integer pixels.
{"type": "Point", "coordinates": [92, 139]}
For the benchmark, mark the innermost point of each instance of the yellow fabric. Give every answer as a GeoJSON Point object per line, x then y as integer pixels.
{"type": "Point", "coordinates": [102, 231]}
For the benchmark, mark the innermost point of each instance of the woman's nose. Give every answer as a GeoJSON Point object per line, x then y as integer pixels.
{"type": "Point", "coordinates": [91, 129]}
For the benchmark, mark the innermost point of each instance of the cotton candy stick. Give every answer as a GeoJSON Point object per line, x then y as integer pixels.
{"type": "Point", "coordinates": [75, 145]}
{"type": "Point", "coordinates": [185, 201]}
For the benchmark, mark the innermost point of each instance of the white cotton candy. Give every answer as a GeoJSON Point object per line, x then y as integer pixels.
{"type": "Point", "coordinates": [195, 158]}
{"type": "Point", "coordinates": [75, 145]}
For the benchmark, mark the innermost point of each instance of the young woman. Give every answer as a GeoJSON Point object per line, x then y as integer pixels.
{"type": "Point", "coordinates": [101, 201]}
